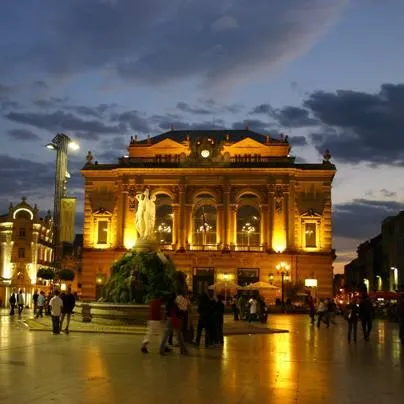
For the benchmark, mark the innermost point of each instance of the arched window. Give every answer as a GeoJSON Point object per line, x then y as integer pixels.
{"type": "Point", "coordinates": [248, 222]}
{"type": "Point", "coordinates": [164, 219]}
{"type": "Point", "coordinates": [204, 225]}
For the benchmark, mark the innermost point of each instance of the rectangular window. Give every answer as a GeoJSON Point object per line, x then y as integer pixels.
{"type": "Point", "coordinates": [310, 235]}
{"type": "Point", "coordinates": [22, 232]}
{"type": "Point", "coordinates": [102, 232]}
{"type": "Point", "coordinates": [21, 253]}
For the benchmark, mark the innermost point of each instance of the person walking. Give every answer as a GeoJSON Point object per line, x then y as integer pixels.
{"type": "Point", "coordinates": [352, 317]}
{"type": "Point", "coordinates": [219, 320]}
{"type": "Point", "coordinates": [40, 304]}
{"type": "Point", "coordinates": [154, 323]}
{"type": "Point", "coordinates": [253, 308]}
{"type": "Point", "coordinates": [20, 302]}
{"type": "Point", "coordinates": [204, 321]}
{"type": "Point", "coordinates": [322, 313]}
{"type": "Point", "coordinates": [366, 314]}
{"type": "Point", "coordinates": [312, 308]}
{"type": "Point", "coordinates": [35, 300]}
{"type": "Point", "coordinates": [13, 302]}
{"type": "Point", "coordinates": [173, 325]}
{"type": "Point", "coordinates": [56, 304]}
{"type": "Point", "coordinates": [235, 309]}
{"type": "Point", "coordinates": [68, 305]}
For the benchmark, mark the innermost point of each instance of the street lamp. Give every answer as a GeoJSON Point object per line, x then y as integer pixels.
{"type": "Point", "coordinates": [271, 278]}
{"type": "Point", "coordinates": [283, 270]}
{"type": "Point", "coordinates": [61, 143]}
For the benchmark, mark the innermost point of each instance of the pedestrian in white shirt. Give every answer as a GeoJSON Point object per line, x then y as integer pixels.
{"type": "Point", "coordinates": [253, 309]}
{"type": "Point", "coordinates": [56, 304]}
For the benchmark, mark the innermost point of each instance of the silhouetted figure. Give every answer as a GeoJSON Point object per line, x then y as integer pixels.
{"type": "Point", "coordinates": [352, 317]}
{"type": "Point", "coordinates": [204, 321]}
{"type": "Point", "coordinates": [366, 316]}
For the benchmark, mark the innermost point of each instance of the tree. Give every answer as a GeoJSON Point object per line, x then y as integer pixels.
{"type": "Point", "coordinates": [66, 275]}
{"type": "Point", "coordinates": [139, 277]}
{"type": "Point", "coordinates": [46, 273]}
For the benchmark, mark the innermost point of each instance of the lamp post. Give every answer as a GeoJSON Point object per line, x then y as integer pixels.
{"type": "Point", "coordinates": [61, 143]}
{"type": "Point", "coordinates": [283, 270]}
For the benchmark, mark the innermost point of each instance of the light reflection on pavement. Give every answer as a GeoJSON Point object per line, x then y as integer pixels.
{"type": "Point", "coordinates": [306, 365]}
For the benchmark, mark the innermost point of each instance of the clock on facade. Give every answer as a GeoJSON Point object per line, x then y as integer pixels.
{"type": "Point", "coordinates": [205, 153]}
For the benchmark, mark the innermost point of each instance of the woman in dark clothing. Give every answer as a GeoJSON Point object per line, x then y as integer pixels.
{"type": "Point", "coordinates": [352, 316]}
{"type": "Point", "coordinates": [205, 311]}
{"type": "Point", "coordinates": [366, 316]}
{"type": "Point", "coordinates": [219, 320]}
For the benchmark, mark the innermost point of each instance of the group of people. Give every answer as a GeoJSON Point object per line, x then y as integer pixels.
{"type": "Point", "coordinates": [58, 305]}
{"type": "Point", "coordinates": [251, 308]}
{"type": "Point", "coordinates": [179, 324]}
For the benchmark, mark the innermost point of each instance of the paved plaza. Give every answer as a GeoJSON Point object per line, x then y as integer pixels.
{"type": "Point", "coordinates": [306, 365]}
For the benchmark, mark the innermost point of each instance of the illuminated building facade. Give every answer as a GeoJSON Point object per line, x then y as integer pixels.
{"type": "Point", "coordinates": [25, 246]}
{"type": "Point", "coordinates": [230, 204]}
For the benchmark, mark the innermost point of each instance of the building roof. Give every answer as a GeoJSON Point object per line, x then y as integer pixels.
{"type": "Point", "coordinates": [234, 135]}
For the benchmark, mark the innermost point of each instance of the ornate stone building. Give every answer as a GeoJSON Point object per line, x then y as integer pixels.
{"type": "Point", "coordinates": [231, 204]}
{"type": "Point", "coordinates": [25, 246]}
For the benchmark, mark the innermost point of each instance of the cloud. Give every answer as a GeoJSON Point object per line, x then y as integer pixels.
{"type": "Point", "coordinates": [293, 117]}
{"type": "Point", "coordinates": [360, 127]}
{"type": "Point", "coordinates": [136, 120]}
{"type": "Point", "coordinates": [361, 219]}
{"type": "Point", "coordinates": [297, 140]}
{"type": "Point", "coordinates": [61, 121]}
{"type": "Point", "coordinates": [208, 107]}
{"type": "Point", "coordinates": [388, 194]}
{"type": "Point", "coordinates": [262, 109]}
{"type": "Point", "coordinates": [224, 23]}
{"type": "Point", "coordinates": [150, 42]}
{"type": "Point", "coordinates": [23, 135]}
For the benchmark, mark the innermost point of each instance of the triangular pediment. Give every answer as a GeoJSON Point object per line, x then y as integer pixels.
{"type": "Point", "coordinates": [247, 143]}
{"type": "Point", "coordinates": [311, 213]}
{"type": "Point", "coordinates": [102, 212]}
{"type": "Point", "coordinates": [167, 144]}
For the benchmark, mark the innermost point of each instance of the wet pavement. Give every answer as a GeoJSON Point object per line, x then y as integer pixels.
{"type": "Point", "coordinates": [306, 365]}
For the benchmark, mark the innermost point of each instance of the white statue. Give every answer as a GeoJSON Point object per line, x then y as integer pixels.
{"type": "Point", "coordinates": [145, 215]}
{"type": "Point", "coordinates": [140, 215]}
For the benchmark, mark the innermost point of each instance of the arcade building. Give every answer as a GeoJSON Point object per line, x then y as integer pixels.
{"type": "Point", "coordinates": [231, 205]}
{"type": "Point", "coordinates": [25, 246]}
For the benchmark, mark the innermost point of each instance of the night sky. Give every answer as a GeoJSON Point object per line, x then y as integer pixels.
{"type": "Point", "coordinates": [329, 73]}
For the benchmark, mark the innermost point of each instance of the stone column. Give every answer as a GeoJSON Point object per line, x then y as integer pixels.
{"type": "Point", "coordinates": [122, 216]}
{"type": "Point", "coordinates": [326, 236]}
{"type": "Point", "coordinates": [279, 237]}
{"type": "Point", "coordinates": [233, 224]}
{"type": "Point", "coordinates": [226, 217]}
{"type": "Point", "coordinates": [219, 225]}
{"type": "Point", "coordinates": [291, 216]}
{"type": "Point", "coordinates": [175, 229]}
{"type": "Point", "coordinates": [270, 210]}
{"type": "Point", "coordinates": [188, 225]}
{"type": "Point", "coordinates": [264, 226]}
{"type": "Point", "coordinates": [182, 228]}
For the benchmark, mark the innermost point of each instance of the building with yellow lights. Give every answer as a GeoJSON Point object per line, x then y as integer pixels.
{"type": "Point", "coordinates": [230, 204]}
{"type": "Point", "coordinates": [25, 246]}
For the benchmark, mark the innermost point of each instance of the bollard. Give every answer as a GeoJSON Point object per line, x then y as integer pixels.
{"type": "Point", "coordinates": [86, 313]}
